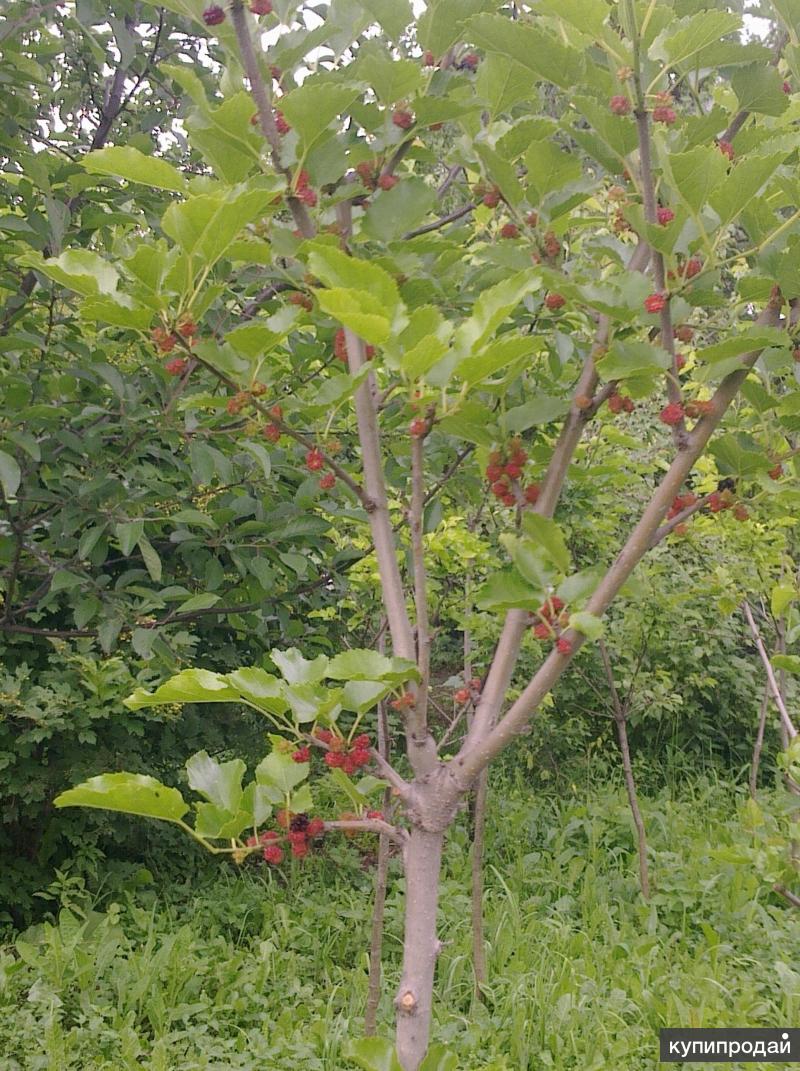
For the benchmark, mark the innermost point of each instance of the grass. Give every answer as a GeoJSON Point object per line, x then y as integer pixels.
{"type": "Point", "coordinates": [250, 970]}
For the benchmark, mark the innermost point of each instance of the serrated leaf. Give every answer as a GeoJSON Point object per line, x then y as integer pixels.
{"type": "Point", "coordinates": [783, 595]}
{"type": "Point", "coordinates": [759, 88]}
{"type": "Point", "coordinates": [625, 359]}
{"type": "Point", "coordinates": [791, 663]}
{"type": "Point", "coordinates": [545, 532]}
{"type": "Point", "coordinates": [373, 1054]}
{"type": "Point", "coordinates": [361, 664]}
{"type": "Point", "coordinates": [151, 559]}
{"type": "Point", "coordinates": [507, 590]}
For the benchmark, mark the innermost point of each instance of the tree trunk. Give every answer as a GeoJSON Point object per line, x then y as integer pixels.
{"type": "Point", "coordinates": [759, 744]}
{"type": "Point", "coordinates": [478, 842]}
{"type": "Point", "coordinates": [633, 800]}
{"type": "Point", "coordinates": [381, 879]}
{"type": "Point", "coordinates": [423, 858]}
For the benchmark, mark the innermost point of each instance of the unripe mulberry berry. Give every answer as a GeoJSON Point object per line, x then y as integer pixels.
{"type": "Point", "coordinates": [492, 198]}
{"type": "Point", "coordinates": [554, 301]}
{"type": "Point", "coordinates": [692, 267]}
{"type": "Point", "coordinates": [334, 759]}
{"type": "Point", "coordinates": [429, 59]}
{"type": "Point", "coordinates": [684, 333]}
{"type": "Point", "coordinates": [362, 741]}
{"type": "Point", "coordinates": [776, 472]}
{"type": "Point", "coordinates": [303, 754]}
{"type": "Point", "coordinates": [316, 827]}
{"type": "Point", "coordinates": [665, 216]}
{"type": "Point", "coordinates": [463, 695]}
{"type": "Point", "coordinates": [280, 122]}
{"type": "Point", "coordinates": [509, 230]}
{"type": "Point", "coordinates": [418, 428]}
{"type": "Point", "coordinates": [327, 481]}
{"type": "Point", "coordinates": [620, 105]}
{"type": "Point", "coordinates": [563, 646]}
{"type": "Point", "coordinates": [542, 631]}
{"type": "Point", "coordinates": [531, 493]}
{"type": "Point", "coordinates": [261, 7]}
{"type": "Point", "coordinates": [470, 61]}
{"type": "Point", "coordinates": [388, 182]}
{"type": "Point", "coordinates": [273, 853]}
{"type": "Point", "coordinates": [271, 433]}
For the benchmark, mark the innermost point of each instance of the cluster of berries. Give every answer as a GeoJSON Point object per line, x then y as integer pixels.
{"type": "Point", "coordinates": [299, 831]}
{"type": "Point", "coordinates": [303, 191]}
{"type": "Point", "coordinates": [687, 269]}
{"type": "Point", "coordinates": [340, 347]}
{"type": "Point", "coordinates": [552, 620]}
{"type": "Point", "coordinates": [280, 122]}
{"type": "Point", "coordinates": [620, 403]}
{"type": "Point", "coordinates": [243, 398]}
{"type": "Point", "coordinates": [166, 341]}
{"type": "Point", "coordinates": [343, 755]}
{"type": "Point", "coordinates": [369, 171]}
{"type": "Point", "coordinates": [470, 692]}
{"type": "Point", "coordinates": [505, 469]}
{"type": "Point", "coordinates": [403, 702]}
{"type": "Point", "coordinates": [680, 503]}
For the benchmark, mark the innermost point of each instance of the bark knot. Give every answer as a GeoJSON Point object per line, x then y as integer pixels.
{"type": "Point", "coordinates": [407, 1002]}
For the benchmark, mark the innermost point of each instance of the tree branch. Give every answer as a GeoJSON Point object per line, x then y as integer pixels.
{"type": "Point", "coordinates": [773, 684]}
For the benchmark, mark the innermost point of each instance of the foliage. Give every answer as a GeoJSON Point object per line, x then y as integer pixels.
{"type": "Point", "coordinates": [252, 968]}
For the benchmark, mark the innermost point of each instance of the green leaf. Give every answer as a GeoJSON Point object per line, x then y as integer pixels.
{"type": "Point", "coordinates": [359, 310]}
{"type": "Point", "coordinates": [393, 212]}
{"type": "Point", "coordinates": [442, 23]}
{"type": "Point", "coordinates": [393, 79]}
{"type": "Point", "coordinates": [10, 475]}
{"type": "Point", "coordinates": [129, 533]}
{"type": "Point", "coordinates": [336, 269]}
{"type": "Point", "coordinates": [312, 107]}
{"type": "Point", "coordinates": [507, 590]}
{"type": "Point", "coordinates": [203, 601]}
{"type": "Point", "coordinates": [361, 664]}
{"type": "Point", "coordinates": [259, 688]}
{"type": "Point", "coordinates": [298, 670]}
{"type": "Point", "coordinates": [261, 454]}
{"type": "Point", "coordinates": [759, 88]}
{"type": "Point", "coordinates": [498, 355]}
{"type": "Point", "coordinates": [280, 772]}
{"type": "Point", "coordinates": [542, 409]}
{"type": "Point", "coordinates": [742, 184]}
{"type": "Point", "coordinates": [783, 595]}
{"type": "Point", "coordinates": [393, 15]}
{"type": "Point", "coordinates": [587, 624]}
{"type": "Point", "coordinates": [361, 696]}
{"type": "Point", "coordinates": [492, 307]}
{"type": "Point", "coordinates": [791, 663]}
{"type": "Point", "coordinates": [373, 1054]}
{"type": "Point", "coordinates": [151, 559]}
{"type": "Point", "coordinates": [80, 270]}
{"type": "Point", "coordinates": [531, 560]}
{"type": "Point", "coordinates": [754, 337]}
{"type": "Point", "coordinates": [548, 57]}
{"type": "Point", "coordinates": [684, 38]}
{"type": "Point", "coordinates": [625, 359]}
{"type": "Point", "coordinates": [220, 783]}
{"type": "Point", "coordinates": [551, 168]}
{"type": "Point", "coordinates": [128, 793]}
{"type": "Point", "coordinates": [697, 173]}
{"type": "Point", "coordinates": [129, 163]}
{"type": "Point", "coordinates": [188, 686]}
{"type": "Point", "coordinates": [545, 532]}
{"type": "Point", "coordinates": [438, 1058]}
{"type": "Point", "coordinates": [217, 823]}
{"type": "Point", "coordinates": [205, 225]}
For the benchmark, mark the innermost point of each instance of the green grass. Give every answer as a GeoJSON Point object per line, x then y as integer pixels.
{"type": "Point", "coordinates": [248, 971]}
